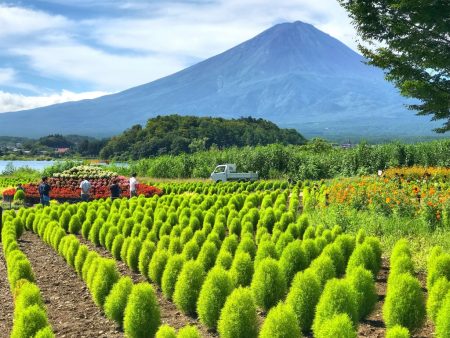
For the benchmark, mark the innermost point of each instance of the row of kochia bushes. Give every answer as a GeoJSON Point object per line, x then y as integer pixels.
{"type": "Point", "coordinates": [221, 188]}
{"type": "Point", "coordinates": [30, 315]}
{"type": "Point", "coordinates": [438, 285]}
{"type": "Point", "coordinates": [134, 307]}
{"type": "Point", "coordinates": [404, 307]}
{"type": "Point", "coordinates": [200, 272]}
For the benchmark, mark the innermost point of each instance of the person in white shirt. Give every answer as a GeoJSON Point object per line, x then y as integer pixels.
{"type": "Point", "coordinates": [85, 187]}
{"type": "Point", "coordinates": [133, 185]}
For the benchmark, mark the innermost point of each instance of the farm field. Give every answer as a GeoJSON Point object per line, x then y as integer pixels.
{"type": "Point", "coordinates": [356, 257]}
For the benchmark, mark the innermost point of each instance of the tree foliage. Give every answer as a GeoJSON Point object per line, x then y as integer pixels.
{"type": "Point", "coordinates": [176, 134]}
{"type": "Point", "coordinates": [410, 41]}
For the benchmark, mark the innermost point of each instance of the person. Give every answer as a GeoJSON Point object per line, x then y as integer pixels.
{"type": "Point", "coordinates": [20, 187]}
{"type": "Point", "coordinates": [115, 189]}
{"type": "Point", "coordinates": [44, 191]}
{"type": "Point", "coordinates": [133, 185]}
{"type": "Point", "coordinates": [85, 187]}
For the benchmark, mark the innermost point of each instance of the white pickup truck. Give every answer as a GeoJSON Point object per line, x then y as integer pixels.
{"type": "Point", "coordinates": [227, 172]}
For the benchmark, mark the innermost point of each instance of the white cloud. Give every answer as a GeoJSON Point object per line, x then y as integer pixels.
{"type": "Point", "coordinates": [16, 21]}
{"type": "Point", "coordinates": [203, 30]}
{"type": "Point", "coordinates": [106, 71]}
{"type": "Point", "coordinates": [13, 102]}
{"type": "Point", "coordinates": [7, 76]}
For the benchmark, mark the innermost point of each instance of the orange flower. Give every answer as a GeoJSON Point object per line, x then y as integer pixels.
{"type": "Point", "coordinates": [388, 200]}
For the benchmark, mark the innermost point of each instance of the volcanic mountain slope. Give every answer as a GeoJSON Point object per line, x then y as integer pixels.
{"type": "Point", "coordinates": [292, 74]}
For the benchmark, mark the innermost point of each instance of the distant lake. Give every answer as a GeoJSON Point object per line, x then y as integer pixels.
{"type": "Point", "coordinates": [36, 165]}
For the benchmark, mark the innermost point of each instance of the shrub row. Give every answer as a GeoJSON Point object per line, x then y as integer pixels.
{"type": "Point", "coordinates": [134, 307]}
{"type": "Point", "coordinates": [438, 282]}
{"type": "Point", "coordinates": [30, 315]}
{"type": "Point", "coordinates": [404, 305]}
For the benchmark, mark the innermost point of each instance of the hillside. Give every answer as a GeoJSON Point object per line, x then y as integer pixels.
{"type": "Point", "coordinates": [176, 134]}
{"type": "Point", "coordinates": [291, 74]}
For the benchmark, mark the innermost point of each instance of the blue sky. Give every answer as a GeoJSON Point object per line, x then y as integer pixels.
{"type": "Point", "coordinates": [53, 51]}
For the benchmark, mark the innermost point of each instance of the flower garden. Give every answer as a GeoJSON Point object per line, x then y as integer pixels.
{"type": "Point", "coordinates": [234, 260]}
{"type": "Point", "coordinates": [411, 192]}
{"type": "Point", "coordinates": [65, 186]}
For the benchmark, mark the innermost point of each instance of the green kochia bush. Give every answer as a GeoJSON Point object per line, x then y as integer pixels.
{"type": "Point", "coordinates": [191, 250]}
{"type": "Point", "coordinates": [117, 246]}
{"type": "Point", "coordinates": [339, 326]}
{"type": "Point", "coordinates": [124, 250]}
{"type": "Point", "coordinates": [189, 332]}
{"type": "Point", "coordinates": [109, 239]}
{"type": "Point", "coordinates": [207, 256]}
{"type": "Point", "coordinates": [90, 258]}
{"type": "Point", "coordinates": [26, 294]}
{"type": "Point", "coordinates": [265, 249]}
{"type": "Point", "coordinates": [94, 232]}
{"type": "Point", "coordinates": [268, 284]}
{"type": "Point", "coordinates": [281, 322]}
{"type": "Point", "coordinates": [214, 292]}
{"type": "Point", "coordinates": [105, 277]}
{"type": "Point", "coordinates": [133, 254]}
{"type": "Point", "coordinates": [145, 256]}
{"type": "Point", "coordinates": [397, 332]}
{"type": "Point", "coordinates": [303, 297]}
{"type": "Point", "coordinates": [46, 332]}
{"type": "Point", "coordinates": [324, 268]}
{"type": "Point", "coordinates": [362, 281]}
{"type": "Point", "coordinates": [436, 297]}
{"type": "Point", "coordinates": [74, 225]}
{"type": "Point", "coordinates": [404, 304]}
{"type": "Point", "coordinates": [338, 297]}
{"type": "Point", "coordinates": [169, 278]}
{"type": "Point", "coordinates": [80, 258]}
{"type": "Point", "coordinates": [364, 256]}
{"type": "Point", "coordinates": [29, 322]}
{"type": "Point", "coordinates": [18, 268]}
{"type": "Point", "coordinates": [64, 220]}
{"type": "Point", "coordinates": [443, 319]}
{"type": "Point", "coordinates": [238, 318]}
{"type": "Point", "coordinates": [438, 267]}
{"type": "Point", "coordinates": [157, 266]}
{"type": "Point", "coordinates": [142, 316]}
{"type": "Point", "coordinates": [188, 286]}
{"type": "Point", "coordinates": [166, 331]}
{"type": "Point", "coordinates": [292, 260]}
{"type": "Point", "coordinates": [116, 301]}
{"type": "Point", "coordinates": [242, 269]}
{"type": "Point", "coordinates": [225, 260]}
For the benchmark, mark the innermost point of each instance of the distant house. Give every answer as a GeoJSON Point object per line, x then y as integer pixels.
{"type": "Point", "coordinates": [61, 150]}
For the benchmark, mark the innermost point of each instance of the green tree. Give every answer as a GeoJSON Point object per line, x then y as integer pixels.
{"type": "Point", "coordinates": [410, 41]}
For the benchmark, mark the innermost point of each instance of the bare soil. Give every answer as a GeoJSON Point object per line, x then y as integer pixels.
{"type": "Point", "coordinates": [70, 308]}
{"type": "Point", "coordinates": [6, 301]}
{"type": "Point", "coordinates": [169, 313]}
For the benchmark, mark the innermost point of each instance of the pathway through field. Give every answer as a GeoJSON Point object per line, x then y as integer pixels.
{"type": "Point", "coordinates": [6, 307]}
{"type": "Point", "coordinates": [169, 313]}
{"type": "Point", "coordinates": [71, 310]}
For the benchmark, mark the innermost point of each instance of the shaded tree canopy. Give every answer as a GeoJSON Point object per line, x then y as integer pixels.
{"type": "Point", "coordinates": [410, 40]}
{"type": "Point", "coordinates": [174, 134]}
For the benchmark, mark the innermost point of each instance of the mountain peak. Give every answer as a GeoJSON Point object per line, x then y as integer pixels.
{"type": "Point", "coordinates": [292, 74]}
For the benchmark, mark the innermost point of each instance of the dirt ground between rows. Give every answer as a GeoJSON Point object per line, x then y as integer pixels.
{"type": "Point", "coordinates": [6, 301]}
{"type": "Point", "coordinates": [169, 313]}
{"type": "Point", "coordinates": [71, 310]}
